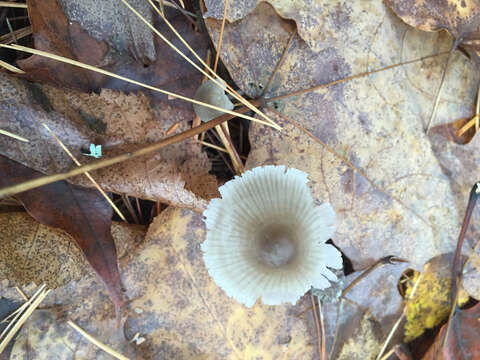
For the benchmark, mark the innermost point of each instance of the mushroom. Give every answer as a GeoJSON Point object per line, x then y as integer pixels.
{"type": "Point", "coordinates": [266, 237]}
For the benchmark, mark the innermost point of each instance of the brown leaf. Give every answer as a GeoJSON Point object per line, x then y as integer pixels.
{"type": "Point", "coordinates": [54, 33]}
{"type": "Point", "coordinates": [362, 142]}
{"type": "Point", "coordinates": [364, 322]}
{"type": "Point", "coordinates": [121, 123]}
{"type": "Point", "coordinates": [462, 342]}
{"type": "Point", "coordinates": [175, 306]}
{"type": "Point", "coordinates": [33, 252]}
{"type": "Point", "coordinates": [461, 18]}
{"type": "Point", "coordinates": [82, 213]}
{"type": "Point", "coordinates": [311, 18]}
{"type": "Point", "coordinates": [462, 164]}
{"type": "Point", "coordinates": [111, 21]}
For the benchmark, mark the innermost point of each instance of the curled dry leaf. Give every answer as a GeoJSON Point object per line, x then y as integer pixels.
{"type": "Point", "coordinates": [53, 32]}
{"type": "Point", "coordinates": [83, 213]}
{"type": "Point", "coordinates": [461, 18]}
{"type": "Point", "coordinates": [121, 123]}
{"type": "Point", "coordinates": [349, 137]}
{"type": "Point", "coordinates": [173, 301]}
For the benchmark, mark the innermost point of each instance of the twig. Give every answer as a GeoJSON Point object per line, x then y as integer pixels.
{"type": "Point", "coordinates": [349, 78]}
{"type": "Point", "coordinates": [279, 63]}
{"type": "Point", "coordinates": [11, 68]}
{"type": "Point", "coordinates": [10, 332]}
{"type": "Point", "coordinates": [12, 135]}
{"type": "Point", "coordinates": [128, 205]}
{"type": "Point", "coordinates": [12, 4]}
{"type": "Point", "coordinates": [437, 95]}
{"type": "Point", "coordinates": [317, 325]}
{"type": "Point", "coordinates": [475, 120]}
{"type": "Point", "coordinates": [44, 180]}
{"type": "Point", "coordinates": [17, 34]}
{"type": "Point", "coordinates": [87, 174]}
{"type": "Point", "coordinates": [108, 73]}
{"type": "Point", "coordinates": [219, 46]}
{"type": "Point", "coordinates": [397, 323]}
{"type": "Point", "coordinates": [215, 78]}
{"type": "Point", "coordinates": [96, 342]}
{"type": "Point", "coordinates": [456, 274]}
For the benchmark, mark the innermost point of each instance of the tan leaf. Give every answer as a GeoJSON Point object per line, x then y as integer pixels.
{"type": "Point", "coordinates": [362, 142]}
{"type": "Point", "coordinates": [32, 252]}
{"type": "Point", "coordinates": [175, 306]}
{"type": "Point", "coordinates": [176, 175]}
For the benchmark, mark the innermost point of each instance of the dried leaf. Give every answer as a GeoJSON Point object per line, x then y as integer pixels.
{"type": "Point", "coordinates": [461, 18]}
{"type": "Point", "coordinates": [82, 213]}
{"type": "Point", "coordinates": [112, 22]}
{"type": "Point", "coordinates": [176, 175]}
{"type": "Point", "coordinates": [462, 163]}
{"type": "Point", "coordinates": [313, 19]}
{"type": "Point", "coordinates": [53, 32]}
{"type": "Point", "coordinates": [462, 342]}
{"type": "Point", "coordinates": [364, 322]}
{"type": "Point", "coordinates": [32, 252]}
{"type": "Point", "coordinates": [349, 137]}
{"type": "Point", "coordinates": [173, 301]}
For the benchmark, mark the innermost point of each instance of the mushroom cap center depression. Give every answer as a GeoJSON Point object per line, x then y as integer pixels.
{"type": "Point", "coordinates": [276, 245]}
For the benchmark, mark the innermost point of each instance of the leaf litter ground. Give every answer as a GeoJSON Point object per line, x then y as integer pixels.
{"type": "Point", "coordinates": [355, 151]}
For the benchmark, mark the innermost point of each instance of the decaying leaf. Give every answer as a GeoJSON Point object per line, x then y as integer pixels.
{"type": "Point", "coordinates": [313, 19]}
{"type": "Point", "coordinates": [432, 301]}
{"type": "Point", "coordinates": [112, 22]}
{"type": "Point", "coordinates": [349, 137]}
{"type": "Point", "coordinates": [54, 33]}
{"type": "Point", "coordinates": [32, 252]}
{"type": "Point", "coordinates": [121, 123]}
{"type": "Point", "coordinates": [173, 302]}
{"type": "Point", "coordinates": [462, 163]}
{"type": "Point", "coordinates": [83, 213]}
{"type": "Point", "coordinates": [461, 18]}
{"type": "Point", "coordinates": [367, 314]}
{"type": "Point", "coordinates": [462, 342]}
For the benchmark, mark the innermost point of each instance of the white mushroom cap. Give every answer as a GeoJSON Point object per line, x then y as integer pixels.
{"type": "Point", "coordinates": [266, 238]}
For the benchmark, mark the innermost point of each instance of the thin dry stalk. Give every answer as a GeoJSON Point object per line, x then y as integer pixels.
{"type": "Point", "coordinates": [96, 342]}
{"type": "Point", "coordinates": [349, 78]}
{"type": "Point", "coordinates": [12, 4]}
{"type": "Point", "coordinates": [397, 323]}
{"type": "Point", "coordinates": [87, 174]}
{"type": "Point", "coordinates": [279, 63]}
{"type": "Point", "coordinates": [22, 294]}
{"type": "Point", "coordinates": [214, 77]}
{"type": "Point", "coordinates": [128, 205]}
{"type": "Point", "coordinates": [437, 94]}
{"type": "Point", "coordinates": [18, 323]}
{"type": "Point", "coordinates": [220, 39]}
{"type": "Point", "coordinates": [11, 68]}
{"type": "Point", "coordinates": [317, 327]}
{"type": "Point", "coordinates": [108, 73]}
{"type": "Point", "coordinates": [322, 327]}
{"type": "Point", "coordinates": [12, 135]}
{"type": "Point", "coordinates": [475, 120]}
{"type": "Point", "coordinates": [31, 184]}
{"type": "Point", "coordinates": [16, 35]}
